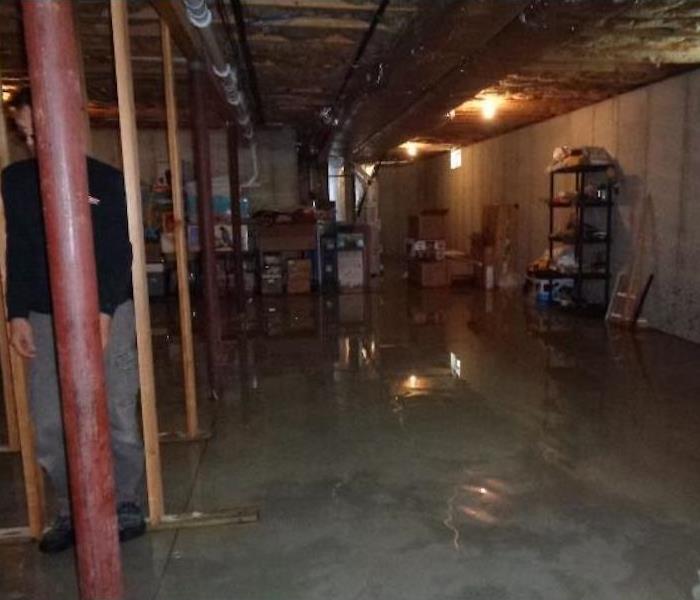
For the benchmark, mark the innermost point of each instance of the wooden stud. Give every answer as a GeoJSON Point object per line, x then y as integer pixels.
{"type": "Point", "coordinates": [8, 390]}
{"type": "Point", "coordinates": [127, 121]}
{"type": "Point", "coordinates": [5, 365]}
{"type": "Point", "coordinates": [183, 287]}
{"type": "Point", "coordinates": [15, 389]}
{"type": "Point", "coordinates": [200, 109]}
{"type": "Point", "coordinates": [33, 477]}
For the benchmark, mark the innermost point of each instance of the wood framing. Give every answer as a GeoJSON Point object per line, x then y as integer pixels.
{"type": "Point", "coordinates": [183, 286]}
{"type": "Point", "coordinates": [132, 179]}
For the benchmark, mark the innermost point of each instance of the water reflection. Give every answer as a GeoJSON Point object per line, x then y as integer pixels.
{"type": "Point", "coordinates": [482, 503]}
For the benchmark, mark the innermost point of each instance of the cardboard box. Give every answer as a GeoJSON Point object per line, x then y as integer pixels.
{"type": "Point", "coordinates": [287, 236]}
{"type": "Point", "coordinates": [299, 265]}
{"type": "Point", "coordinates": [459, 269]}
{"type": "Point", "coordinates": [429, 225]}
{"type": "Point", "coordinates": [298, 286]}
{"type": "Point", "coordinates": [428, 274]}
{"type": "Point", "coordinates": [299, 276]}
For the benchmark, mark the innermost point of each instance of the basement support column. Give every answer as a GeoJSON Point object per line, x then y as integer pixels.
{"type": "Point", "coordinates": [54, 73]}
{"type": "Point", "coordinates": [234, 184]}
{"type": "Point", "coordinates": [199, 112]}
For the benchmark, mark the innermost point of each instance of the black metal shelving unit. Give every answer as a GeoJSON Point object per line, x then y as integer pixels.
{"type": "Point", "coordinates": [583, 204]}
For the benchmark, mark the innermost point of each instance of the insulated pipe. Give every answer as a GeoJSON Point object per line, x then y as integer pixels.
{"type": "Point", "coordinates": [200, 16]}
{"type": "Point", "coordinates": [60, 131]}
{"type": "Point", "coordinates": [202, 165]}
{"type": "Point", "coordinates": [198, 13]}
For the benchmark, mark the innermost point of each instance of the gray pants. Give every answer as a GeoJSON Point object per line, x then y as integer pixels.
{"type": "Point", "coordinates": [121, 373]}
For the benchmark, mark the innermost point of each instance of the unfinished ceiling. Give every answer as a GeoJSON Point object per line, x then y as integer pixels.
{"type": "Point", "coordinates": [363, 76]}
{"type": "Point", "coordinates": [534, 59]}
{"type": "Point", "coordinates": [94, 27]}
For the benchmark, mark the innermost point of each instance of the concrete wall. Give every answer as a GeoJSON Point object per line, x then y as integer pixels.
{"type": "Point", "coordinates": [277, 158]}
{"type": "Point", "coordinates": [653, 133]}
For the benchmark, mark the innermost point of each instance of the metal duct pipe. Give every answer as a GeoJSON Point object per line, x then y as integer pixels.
{"type": "Point", "coordinates": [200, 16]}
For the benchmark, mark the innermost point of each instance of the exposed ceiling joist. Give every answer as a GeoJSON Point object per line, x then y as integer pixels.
{"type": "Point", "coordinates": [314, 44]}
{"type": "Point", "coordinates": [174, 15]}
{"type": "Point", "coordinates": [329, 5]}
{"type": "Point", "coordinates": [324, 23]}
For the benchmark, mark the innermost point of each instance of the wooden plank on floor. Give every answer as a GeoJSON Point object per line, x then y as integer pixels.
{"type": "Point", "coordinates": [16, 535]}
{"type": "Point", "coordinates": [174, 437]}
{"type": "Point", "coordinates": [247, 515]}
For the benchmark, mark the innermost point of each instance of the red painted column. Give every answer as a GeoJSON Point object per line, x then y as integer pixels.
{"type": "Point", "coordinates": [60, 134]}
{"type": "Point", "coordinates": [199, 111]}
{"type": "Point", "coordinates": [234, 184]}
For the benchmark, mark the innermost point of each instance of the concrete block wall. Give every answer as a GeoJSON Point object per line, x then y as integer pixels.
{"type": "Point", "coordinates": [654, 135]}
{"type": "Point", "coordinates": [277, 188]}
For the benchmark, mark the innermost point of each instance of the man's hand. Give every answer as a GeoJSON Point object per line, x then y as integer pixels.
{"type": "Point", "coordinates": [105, 324]}
{"type": "Point", "coordinates": [22, 337]}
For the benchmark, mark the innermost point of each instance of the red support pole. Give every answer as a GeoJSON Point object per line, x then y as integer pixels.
{"type": "Point", "coordinates": [234, 184]}
{"type": "Point", "coordinates": [205, 211]}
{"type": "Point", "coordinates": [61, 142]}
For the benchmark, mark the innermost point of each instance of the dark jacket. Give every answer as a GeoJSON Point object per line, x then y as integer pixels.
{"type": "Point", "coordinates": [27, 268]}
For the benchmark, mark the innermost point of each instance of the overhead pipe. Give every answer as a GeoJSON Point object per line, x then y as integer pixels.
{"type": "Point", "coordinates": [201, 18]}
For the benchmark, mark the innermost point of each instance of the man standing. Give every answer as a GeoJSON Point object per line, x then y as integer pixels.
{"type": "Point", "coordinates": [31, 328]}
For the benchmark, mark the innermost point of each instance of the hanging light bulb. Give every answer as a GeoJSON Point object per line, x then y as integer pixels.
{"type": "Point", "coordinates": [489, 108]}
{"type": "Point", "coordinates": [411, 149]}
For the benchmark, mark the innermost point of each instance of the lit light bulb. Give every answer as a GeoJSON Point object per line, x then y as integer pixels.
{"type": "Point", "coordinates": [452, 114]}
{"type": "Point", "coordinates": [411, 149]}
{"type": "Point", "coordinates": [489, 108]}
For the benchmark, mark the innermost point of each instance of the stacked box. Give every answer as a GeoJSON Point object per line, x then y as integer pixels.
{"type": "Point", "coordinates": [428, 274]}
{"type": "Point", "coordinates": [426, 249]}
{"type": "Point", "coordinates": [298, 276]}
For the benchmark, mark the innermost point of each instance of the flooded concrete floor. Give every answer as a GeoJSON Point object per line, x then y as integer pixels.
{"type": "Point", "coordinates": [412, 444]}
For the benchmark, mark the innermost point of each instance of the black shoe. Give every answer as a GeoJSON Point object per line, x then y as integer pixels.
{"type": "Point", "coordinates": [132, 523]}
{"type": "Point", "coordinates": [59, 537]}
